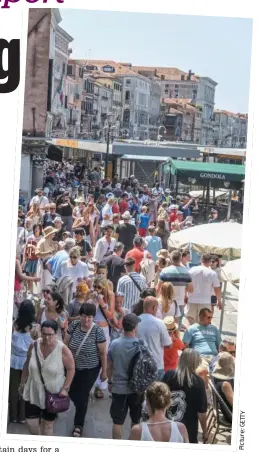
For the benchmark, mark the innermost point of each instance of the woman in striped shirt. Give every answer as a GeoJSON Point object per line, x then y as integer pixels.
{"type": "Point", "coordinates": [87, 342]}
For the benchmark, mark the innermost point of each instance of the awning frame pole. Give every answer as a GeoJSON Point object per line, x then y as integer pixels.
{"type": "Point", "coordinates": [224, 294]}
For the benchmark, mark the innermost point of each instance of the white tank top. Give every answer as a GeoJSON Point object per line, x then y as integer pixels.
{"type": "Point", "coordinates": [175, 437]}
{"type": "Point", "coordinates": [52, 370]}
{"type": "Point", "coordinates": [43, 319]}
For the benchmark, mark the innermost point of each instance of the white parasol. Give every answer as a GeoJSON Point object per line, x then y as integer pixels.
{"type": "Point", "coordinates": [231, 271]}
{"type": "Point", "coordinates": [223, 239]}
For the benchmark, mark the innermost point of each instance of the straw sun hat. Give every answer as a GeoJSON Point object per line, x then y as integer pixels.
{"type": "Point", "coordinates": [169, 323]}
{"type": "Point", "coordinates": [224, 368]}
{"type": "Point", "coordinates": [163, 253]}
{"type": "Point", "coordinates": [49, 231]}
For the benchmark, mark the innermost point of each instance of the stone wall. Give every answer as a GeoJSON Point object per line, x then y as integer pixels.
{"type": "Point", "coordinates": [37, 71]}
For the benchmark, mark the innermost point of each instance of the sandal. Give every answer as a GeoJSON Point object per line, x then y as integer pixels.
{"type": "Point", "coordinates": [77, 432]}
{"type": "Point", "coordinates": [98, 393]}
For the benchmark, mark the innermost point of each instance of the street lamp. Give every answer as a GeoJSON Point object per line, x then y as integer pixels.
{"type": "Point", "coordinates": [158, 134]}
{"type": "Point", "coordinates": [109, 128]}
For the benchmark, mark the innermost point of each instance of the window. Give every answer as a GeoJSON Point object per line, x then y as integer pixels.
{"type": "Point", "coordinates": [108, 69]}
{"type": "Point", "coordinates": [127, 96]}
{"type": "Point", "coordinates": [126, 116]}
{"type": "Point", "coordinates": [81, 72]}
{"type": "Point", "coordinates": [69, 69]}
{"type": "Point", "coordinates": [166, 91]}
{"type": "Point", "coordinates": [176, 86]}
{"type": "Point", "coordinates": [128, 81]}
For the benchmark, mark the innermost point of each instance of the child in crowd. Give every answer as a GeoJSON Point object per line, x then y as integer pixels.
{"type": "Point", "coordinates": [144, 222]}
{"type": "Point", "coordinates": [171, 355]}
{"type": "Point", "coordinates": [74, 306]}
{"type": "Point", "coordinates": [119, 313]}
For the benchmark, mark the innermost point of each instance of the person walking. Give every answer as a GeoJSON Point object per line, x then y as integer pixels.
{"type": "Point", "coordinates": [189, 400]}
{"type": "Point", "coordinates": [115, 264]}
{"type": "Point", "coordinates": [158, 427]}
{"type": "Point", "coordinates": [87, 343]}
{"type": "Point", "coordinates": [50, 358]}
{"type": "Point", "coordinates": [154, 243]}
{"type": "Point", "coordinates": [126, 232]}
{"type": "Point", "coordinates": [131, 285]}
{"type": "Point", "coordinates": [204, 280]}
{"type": "Point", "coordinates": [154, 333]}
{"type": "Point", "coordinates": [120, 355]}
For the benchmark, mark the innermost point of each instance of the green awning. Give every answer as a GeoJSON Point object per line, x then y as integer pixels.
{"type": "Point", "coordinates": [203, 172]}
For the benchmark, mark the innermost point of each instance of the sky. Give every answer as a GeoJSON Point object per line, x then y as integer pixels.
{"type": "Point", "coordinates": [216, 47]}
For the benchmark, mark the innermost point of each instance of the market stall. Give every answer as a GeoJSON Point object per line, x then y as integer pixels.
{"type": "Point", "coordinates": [207, 175]}
{"type": "Point", "coordinates": [202, 173]}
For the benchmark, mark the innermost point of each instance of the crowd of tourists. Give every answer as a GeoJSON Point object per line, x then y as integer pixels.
{"type": "Point", "coordinates": [100, 304]}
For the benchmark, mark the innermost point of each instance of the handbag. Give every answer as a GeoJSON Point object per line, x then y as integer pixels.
{"type": "Point", "coordinates": [54, 403]}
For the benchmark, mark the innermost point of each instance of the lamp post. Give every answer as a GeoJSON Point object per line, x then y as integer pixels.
{"type": "Point", "coordinates": [109, 128]}
{"type": "Point", "coordinates": [158, 134]}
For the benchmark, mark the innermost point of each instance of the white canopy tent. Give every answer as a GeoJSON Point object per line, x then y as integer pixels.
{"type": "Point", "coordinates": [231, 271]}
{"type": "Point", "coordinates": [223, 239]}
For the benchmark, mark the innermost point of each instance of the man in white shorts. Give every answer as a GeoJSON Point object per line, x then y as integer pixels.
{"type": "Point", "coordinates": [203, 280]}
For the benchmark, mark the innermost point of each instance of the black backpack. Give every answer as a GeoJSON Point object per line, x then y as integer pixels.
{"type": "Point", "coordinates": [142, 369]}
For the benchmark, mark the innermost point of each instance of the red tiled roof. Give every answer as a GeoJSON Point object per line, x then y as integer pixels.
{"type": "Point", "coordinates": [232, 114]}
{"type": "Point", "coordinates": [170, 73]}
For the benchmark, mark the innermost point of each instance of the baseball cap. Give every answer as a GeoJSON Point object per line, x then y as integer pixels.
{"type": "Point", "coordinates": [130, 321]}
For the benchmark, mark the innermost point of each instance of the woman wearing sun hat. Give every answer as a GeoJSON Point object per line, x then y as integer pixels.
{"type": "Point", "coordinates": [223, 374]}
{"type": "Point", "coordinates": [171, 355]}
{"type": "Point", "coordinates": [45, 249]}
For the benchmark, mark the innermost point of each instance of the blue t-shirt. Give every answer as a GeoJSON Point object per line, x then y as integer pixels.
{"type": "Point", "coordinates": [186, 212]}
{"type": "Point", "coordinates": [56, 262]}
{"type": "Point", "coordinates": [204, 339]}
{"type": "Point", "coordinates": [144, 219]}
{"type": "Point", "coordinates": [154, 244]}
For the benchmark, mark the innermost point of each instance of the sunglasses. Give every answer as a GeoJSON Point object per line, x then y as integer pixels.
{"type": "Point", "coordinates": [97, 287]}
{"type": "Point", "coordinates": [73, 257]}
{"type": "Point", "coordinates": [46, 291]}
{"type": "Point", "coordinates": [171, 330]}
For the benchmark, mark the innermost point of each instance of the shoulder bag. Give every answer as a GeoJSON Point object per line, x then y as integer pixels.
{"type": "Point", "coordinates": [135, 283]}
{"type": "Point", "coordinates": [54, 403]}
